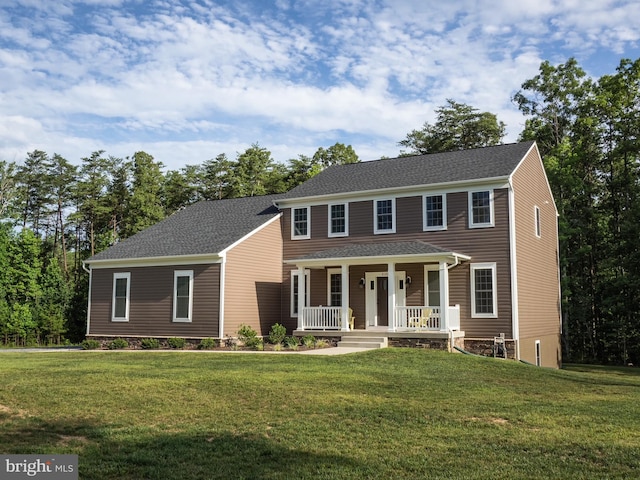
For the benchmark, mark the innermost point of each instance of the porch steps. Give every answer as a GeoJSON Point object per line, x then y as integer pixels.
{"type": "Point", "coordinates": [363, 341]}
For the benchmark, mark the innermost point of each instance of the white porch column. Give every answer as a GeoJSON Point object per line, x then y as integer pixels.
{"type": "Point", "coordinates": [301, 295]}
{"type": "Point", "coordinates": [391, 292]}
{"type": "Point", "coordinates": [345, 297]}
{"type": "Point", "coordinates": [444, 296]}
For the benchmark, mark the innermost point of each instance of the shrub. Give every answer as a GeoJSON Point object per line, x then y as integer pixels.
{"type": "Point", "coordinates": [322, 343]}
{"type": "Point", "coordinates": [309, 341]}
{"type": "Point", "coordinates": [90, 344]}
{"type": "Point", "coordinates": [291, 342]}
{"type": "Point", "coordinates": [117, 344]}
{"type": "Point", "coordinates": [207, 344]}
{"type": "Point", "coordinates": [248, 336]}
{"type": "Point", "coordinates": [150, 343]}
{"type": "Point", "coordinates": [277, 334]}
{"type": "Point", "coordinates": [176, 342]}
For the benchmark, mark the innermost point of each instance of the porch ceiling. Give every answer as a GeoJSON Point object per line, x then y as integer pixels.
{"type": "Point", "coordinates": [380, 252]}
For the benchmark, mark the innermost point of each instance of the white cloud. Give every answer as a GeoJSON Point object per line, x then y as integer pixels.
{"type": "Point", "coordinates": [201, 77]}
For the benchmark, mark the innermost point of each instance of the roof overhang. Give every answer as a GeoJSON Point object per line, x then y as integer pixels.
{"type": "Point", "coordinates": [379, 253]}
{"type": "Point", "coordinates": [155, 261]}
{"type": "Point", "coordinates": [496, 182]}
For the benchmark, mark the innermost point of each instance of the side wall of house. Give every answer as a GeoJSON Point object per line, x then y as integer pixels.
{"type": "Point", "coordinates": [482, 244]}
{"type": "Point", "coordinates": [253, 282]}
{"type": "Point", "coordinates": [537, 263]}
{"type": "Point", "coordinates": [151, 302]}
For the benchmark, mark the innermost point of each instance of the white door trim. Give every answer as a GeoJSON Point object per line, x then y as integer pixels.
{"type": "Point", "coordinates": [371, 303]}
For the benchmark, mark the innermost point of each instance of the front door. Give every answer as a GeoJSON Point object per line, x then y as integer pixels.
{"type": "Point", "coordinates": [377, 297]}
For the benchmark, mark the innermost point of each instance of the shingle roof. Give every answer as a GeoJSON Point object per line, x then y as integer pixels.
{"type": "Point", "coordinates": [374, 249]}
{"type": "Point", "coordinates": [437, 168]}
{"type": "Point", "coordinates": [207, 227]}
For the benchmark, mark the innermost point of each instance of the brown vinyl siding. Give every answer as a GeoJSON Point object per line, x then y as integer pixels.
{"type": "Point", "coordinates": [482, 244]}
{"type": "Point", "coordinates": [550, 351]}
{"type": "Point", "coordinates": [253, 278]}
{"type": "Point", "coordinates": [538, 290]}
{"type": "Point", "coordinates": [151, 302]}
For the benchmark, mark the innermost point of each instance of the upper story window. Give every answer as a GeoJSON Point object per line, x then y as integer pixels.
{"type": "Point", "coordinates": [300, 223]}
{"type": "Point", "coordinates": [384, 216]}
{"type": "Point", "coordinates": [435, 212]}
{"type": "Point", "coordinates": [538, 222]}
{"type": "Point", "coordinates": [121, 298]}
{"type": "Point", "coordinates": [183, 295]}
{"type": "Point", "coordinates": [481, 209]}
{"type": "Point", "coordinates": [338, 220]}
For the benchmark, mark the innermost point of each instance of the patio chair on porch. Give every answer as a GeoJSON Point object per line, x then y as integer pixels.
{"type": "Point", "coordinates": [423, 321]}
{"type": "Point", "coordinates": [352, 319]}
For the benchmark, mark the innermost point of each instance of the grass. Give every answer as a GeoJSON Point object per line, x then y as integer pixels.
{"type": "Point", "coordinates": [392, 413]}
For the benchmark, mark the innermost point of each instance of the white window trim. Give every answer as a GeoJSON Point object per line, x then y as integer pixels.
{"type": "Point", "coordinates": [491, 209]}
{"type": "Point", "coordinates": [537, 221]}
{"type": "Point", "coordinates": [176, 274]}
{"type": "Point", "coordinates": [484, 266]}
{"type": "Point", "coordinates": [427, 228]}
{"type": "Point", "coordinates": [429, 268]}
{"type": "Point", "coordinates": [346, 220]}
{"type": "Point", "coordinates": [293, 226]}
{"type": "Point", "coordinates": [294, 280]}
{"type": "Point", "coordinates": [332, 271]}
{"type": "Point", "coordinates": [376, 231]}
{"type": "Point", "coordinates": [117, 276]}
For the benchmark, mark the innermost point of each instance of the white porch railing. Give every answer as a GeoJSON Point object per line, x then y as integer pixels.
{"type": "Point", "coordinates": [406, 318]}
{"type": "Point", "coordinates": [426, 318]}
{"type": "Point", "coordinates": [322, 318]}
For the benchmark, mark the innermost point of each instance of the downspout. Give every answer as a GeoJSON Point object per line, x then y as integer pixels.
{"type": "Point", "coordinates": [223, 268]}
{"type": "Point", "coordinates": [515, 311]}
{"type": "Point", "coordinates": [89, 271]}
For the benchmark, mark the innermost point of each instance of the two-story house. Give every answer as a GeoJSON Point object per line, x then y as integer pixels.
{"type": "Point", "coordinates": [457, 248]}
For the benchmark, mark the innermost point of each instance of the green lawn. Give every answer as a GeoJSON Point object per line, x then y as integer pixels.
{"type": "Point", "coordinates": [389, 414]}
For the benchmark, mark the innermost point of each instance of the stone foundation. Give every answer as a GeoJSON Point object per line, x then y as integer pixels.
{"type": "Point", "coordinates": [485, 347]}
{"type": "Point", "coordinates": [432, 343]}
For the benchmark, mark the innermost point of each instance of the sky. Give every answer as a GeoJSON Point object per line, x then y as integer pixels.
{"type": "Point", "coordinates": [187, 80]}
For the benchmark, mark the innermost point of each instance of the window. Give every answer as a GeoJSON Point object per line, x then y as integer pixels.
{"type": "Point", "coordinates": [338, 220]}
{"type": "Point", "coordinates": [537, 221]}
{"type": "Point", "coordinates": [384, 220]}
{"type": "Point", "coordinates": [432, 277]}
{"type": "Point", "coordinates": [294, 291]}
{"type": "Point", "coordinates": [334, 287]}
{"type": "Point", "coordinates": [300, 228]}
{"type": "Point", "coordinates": [483, 290]}
{"type": "Point", "coordinates": [121, 289]}
{"type": "Point", "coordinates": [182, 295]}
{"type": "Point", "coordinates": [538, 354]}
{"type": "Point", "coordinates": [435, 212]}
{"type": "Point", "coordinates": [481, 209]}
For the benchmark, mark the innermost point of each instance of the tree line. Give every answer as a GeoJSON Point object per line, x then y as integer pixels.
{"type": "Point", "coordinates": [56, 214]}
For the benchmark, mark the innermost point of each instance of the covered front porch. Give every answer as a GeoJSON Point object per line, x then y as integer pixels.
{"type": "Point", "coordinates": [391, 287]}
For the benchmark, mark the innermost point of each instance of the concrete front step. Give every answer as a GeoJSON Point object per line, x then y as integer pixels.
{"type": "Point", "coordinates": [362, 341]}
